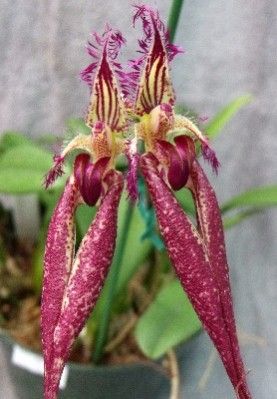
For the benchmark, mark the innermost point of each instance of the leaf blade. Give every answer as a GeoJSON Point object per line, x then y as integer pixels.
{"type": "Point", "coordinates": [259, 197]}
{"type": "Point", "coordinates": [165, 325]}
{"type": "Point", "coordinates": [214, 127]}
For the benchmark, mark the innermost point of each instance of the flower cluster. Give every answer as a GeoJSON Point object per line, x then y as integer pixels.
{"type": "Point", "coordinates": [127, 107]}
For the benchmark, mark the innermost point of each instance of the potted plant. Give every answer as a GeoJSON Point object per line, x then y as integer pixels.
{"type": "Point", "coordinates": [140, 287]}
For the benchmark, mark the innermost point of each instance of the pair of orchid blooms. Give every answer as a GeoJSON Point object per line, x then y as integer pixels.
{"type": "Point", "coordinates": [125, 108]}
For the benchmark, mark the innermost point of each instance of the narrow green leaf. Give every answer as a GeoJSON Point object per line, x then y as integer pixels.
{"type": "Point", "coordinates": [220, 120]}
{"type": "Point", "coordinates": [167, 322]}
{"type": "Point", "coordinates": [232, 221]}
{"type": "Point", "coordinates": [260, 197]}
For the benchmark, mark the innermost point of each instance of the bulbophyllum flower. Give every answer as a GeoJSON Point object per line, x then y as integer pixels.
{"type": "Point", "coordinates": [72, 282]}
{"type": "Point", "coordinates": [126, 107]}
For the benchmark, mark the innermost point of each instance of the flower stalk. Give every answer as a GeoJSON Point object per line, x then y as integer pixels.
{"type": "Point", "coordinates": [174, 17]}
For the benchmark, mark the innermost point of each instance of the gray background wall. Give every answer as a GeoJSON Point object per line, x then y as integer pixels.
{"type": "Point", "coordinates": [230, 50]}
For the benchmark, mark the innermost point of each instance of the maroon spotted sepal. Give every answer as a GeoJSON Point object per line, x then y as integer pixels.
{"type": "Point", "coordinates": [210, 225]}
{"type": "Point", "coordinates": [188, 255]}
{"type": "Point", "coordinates": [83, 286]}
{"type": "Point", "coordinates": [57, 266]}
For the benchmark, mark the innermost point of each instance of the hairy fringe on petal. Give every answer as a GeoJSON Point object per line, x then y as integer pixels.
{"type": "Point", "coordinates": [210, 156]}
{"type": "Point", "coordinates": [55, 172]}
{"type": "Point", "coordinates": [106, 79]}
{"type": "Point", "coordinates": [112, 41]}
{"type": "Point", "coordinates": [154, 32]}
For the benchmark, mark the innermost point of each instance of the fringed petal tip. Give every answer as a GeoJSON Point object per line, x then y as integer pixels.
{"type": "Point", "coordinates": [106, 79]}
{"type": "Point", "coordinates": [55, 172]}
{"type": "Point", "coordinates": [151, 21]}
{"type": "Point", "coordinates": [110, 41]}
{"type": "Point", "coordinates": [156, 52]}
{"type": "Point", "coordinates": [210, 156]}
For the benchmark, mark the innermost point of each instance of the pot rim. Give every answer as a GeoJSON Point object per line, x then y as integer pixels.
{"type": "Point", "coordinates": [79, 366]}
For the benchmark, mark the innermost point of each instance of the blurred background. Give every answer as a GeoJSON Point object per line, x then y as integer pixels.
{"type": "Point", "coordinates": [230, 50]}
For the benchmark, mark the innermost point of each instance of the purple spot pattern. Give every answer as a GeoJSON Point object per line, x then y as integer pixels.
{"type": "Point", "coordinates": [192, 264]}
{"type": "Point", "coordinates": [83, 287]}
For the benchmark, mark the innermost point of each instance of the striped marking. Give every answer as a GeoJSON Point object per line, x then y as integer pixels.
{"type": "Point", "coordinates": [155, 87]}
{"type": "Point", "coordinates": [105, 103]}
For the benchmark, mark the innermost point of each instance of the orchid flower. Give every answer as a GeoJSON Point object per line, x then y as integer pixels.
{"type": "Point", "coordinates": [126, 107]}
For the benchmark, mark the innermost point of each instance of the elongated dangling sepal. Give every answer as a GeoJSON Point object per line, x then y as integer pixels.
{"type": "Point", "coordinates": [86, 279]}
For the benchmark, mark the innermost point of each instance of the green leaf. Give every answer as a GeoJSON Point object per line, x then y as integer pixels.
{"type": "Point", "coordinates": [260, 197]}
{"type": "Point", "coordinates": [27, 157]}
{"type": "Point", "coordinates": [167, 322]}
{"type": "Point", "coordinates": [12, 139]}
{"type": "Point", "coordinates": [219, 121]}
{"type": "Point", "coordinates": [185, 199]}
{"type": "Point", "coordinates": [84, 217]}
{"type": "Point", "coordinates": [229, 222]}
{"type": "Point", "coordinates": [22, 169]}
{"type": "Point", "coordinates": [21, 181]}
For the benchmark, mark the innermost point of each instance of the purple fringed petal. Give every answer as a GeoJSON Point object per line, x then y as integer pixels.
{"type": "Point", "coordinates": [150, 81]}
{"type": "Point", "coordinates": [86, 279]}
{"type": "Point", "coordinates": [55, 172]}
{"type": "Point", "coordinates": [106, 104]}
{"type": "Point", "coordinates": [210, 156]}
{"type": "Point", "coordinates": [187, 253]}
{"type": "Point", "coordinates": [151, 20]}
{"type": "Point", "coordinates": [211, 228]}
{"type": "Point", "coordinates": [57, 265]}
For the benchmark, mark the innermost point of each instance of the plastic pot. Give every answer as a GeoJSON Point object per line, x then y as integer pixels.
{"type": "Point", "coordinates": [135, 381]}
